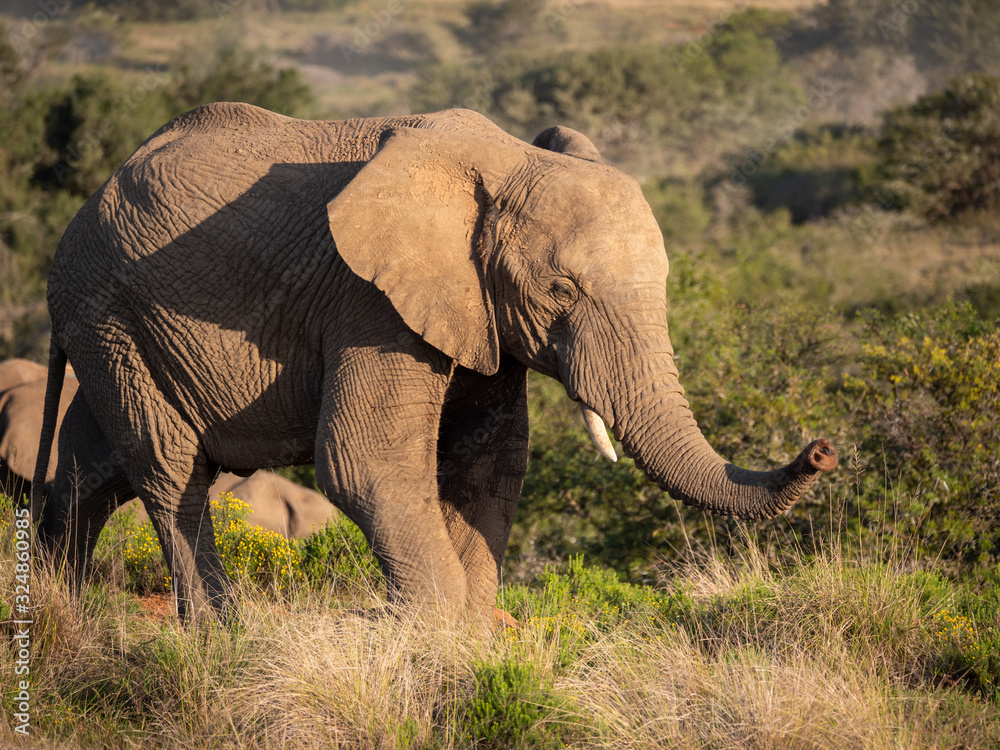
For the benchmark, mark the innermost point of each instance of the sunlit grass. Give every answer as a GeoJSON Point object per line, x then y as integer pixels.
{"type": "Point", "coordinates": [820, 652]}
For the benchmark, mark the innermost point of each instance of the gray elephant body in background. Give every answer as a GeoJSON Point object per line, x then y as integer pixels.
{"type": "Point", "coordinates": [16, 371]}
{"type": "Point", "coordinates": [22, 395]}
{"type": "Point", "coordinates": [276, 504]}
{"type": "Point", "coordinates": [385, 284]}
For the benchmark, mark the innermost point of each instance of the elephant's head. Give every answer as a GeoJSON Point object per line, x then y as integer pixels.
{"type": "Point", "coordinates": [545, 253]}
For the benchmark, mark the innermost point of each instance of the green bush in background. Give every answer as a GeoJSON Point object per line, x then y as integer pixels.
{"type": "Point", "coordinates": [624, 95]}
{"type": "Point", "coordinates": [929, 397]}
{"type": "Point", "coordinates": [940, 157]}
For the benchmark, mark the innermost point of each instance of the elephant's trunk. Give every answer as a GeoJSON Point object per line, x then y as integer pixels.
{"type": "Point", "coordinates": [656, 427]}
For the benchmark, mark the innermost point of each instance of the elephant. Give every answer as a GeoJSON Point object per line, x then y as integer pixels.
{"type": "Point", "coordinates": [386, 283]}
{"type": "Point", "coordinates": [15, 371]}
{"type": "Point", "coordinates": [277, 504]}
{"type": "Point", "coordinates": [22, 393]}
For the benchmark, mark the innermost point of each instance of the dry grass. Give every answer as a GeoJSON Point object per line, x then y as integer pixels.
{"type": "Point", "coordinates": [823, 653]}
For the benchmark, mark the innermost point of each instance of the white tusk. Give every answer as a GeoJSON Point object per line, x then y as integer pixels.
{"type": "Point", "coordinates": [598, 433]}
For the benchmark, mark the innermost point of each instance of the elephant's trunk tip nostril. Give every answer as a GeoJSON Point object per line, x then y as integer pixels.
{"type": "Point", "coordinates": [822, 455]}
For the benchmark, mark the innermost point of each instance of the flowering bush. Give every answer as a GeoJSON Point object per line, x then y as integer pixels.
{"type": "Point", "coordinates": [248, 552]}
{"type": "Point", "coordinates": [967, 649]}
{"type": "Point", "coordinates": [929, 401]}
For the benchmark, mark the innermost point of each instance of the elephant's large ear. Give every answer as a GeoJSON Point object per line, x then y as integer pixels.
{"type": "Point", "coordinates": [411, 223]}
{"type": "Point", "coordinates": [567, 141]}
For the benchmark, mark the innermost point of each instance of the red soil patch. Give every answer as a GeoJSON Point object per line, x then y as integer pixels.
{"type": "Point", "coordinates": [158, 607]}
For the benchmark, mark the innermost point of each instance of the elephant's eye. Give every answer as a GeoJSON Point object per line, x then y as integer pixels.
{"type": "Point", "coordinates": [564, 291]}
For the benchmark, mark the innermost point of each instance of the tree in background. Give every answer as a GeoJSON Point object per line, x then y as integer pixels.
{"type": "Point", "coordinates": [953, 37]}
{"type": "Point", "coordinates": [497, 25]}
{"type": "Point", "coordinates": [940, 157]}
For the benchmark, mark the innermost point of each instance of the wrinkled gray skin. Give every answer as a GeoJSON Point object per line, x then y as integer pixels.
{"type": "Point", "coordinates": [387, 284]}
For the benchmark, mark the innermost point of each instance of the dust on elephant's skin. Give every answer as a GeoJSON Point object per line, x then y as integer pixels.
{"type": "Point", "coordinates": [250, 290]}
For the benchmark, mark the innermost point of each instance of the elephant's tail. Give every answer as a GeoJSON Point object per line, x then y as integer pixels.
{"type": "Point", "coordinates": [53, 390]}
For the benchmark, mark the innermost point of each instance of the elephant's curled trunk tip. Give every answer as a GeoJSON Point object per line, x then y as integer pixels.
{"type": "Point", "coordinates": [820, 454]}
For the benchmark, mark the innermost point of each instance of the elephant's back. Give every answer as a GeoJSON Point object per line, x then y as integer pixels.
{"type": "Point", "coordinates": [15, 371]}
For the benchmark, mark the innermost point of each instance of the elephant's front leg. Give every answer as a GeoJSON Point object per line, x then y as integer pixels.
{"type": "Point", "coordinates": [376, 460]}
{"type": "Point", "coordinates": [483, 456]}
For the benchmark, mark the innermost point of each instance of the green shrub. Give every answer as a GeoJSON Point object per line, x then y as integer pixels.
{"type": "Point", "coordinates": [938, 157]}
{"type": "Point", "coordinates": [512, 706]}
{"type": "Point", "coordinates": [929, 396]}
{"type": "Point", "coordinates": [339, 555]}
{"type": "Point", "coordinates": [574, 603]}
{"type": "Point", "coordinates": [967, 650]}
{"type": "Point", "coordinates": [599, 596]}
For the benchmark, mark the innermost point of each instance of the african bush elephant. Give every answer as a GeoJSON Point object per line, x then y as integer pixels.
{"type": "Point", "coordinates": [22, 394]}
{"type": "Point", "coordinates": [276, 504]}
{"type": "Point", "coordinates": [386, 284]}
{"type": "Point", "coordinates": [15, 371]}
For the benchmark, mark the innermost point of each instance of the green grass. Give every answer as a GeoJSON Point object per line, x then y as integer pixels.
{"type": "Point", "coordinates": [816, 651]}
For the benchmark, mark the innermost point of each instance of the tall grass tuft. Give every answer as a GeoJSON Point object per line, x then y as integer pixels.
{"type": "Point", "coordinates": [820, 651]}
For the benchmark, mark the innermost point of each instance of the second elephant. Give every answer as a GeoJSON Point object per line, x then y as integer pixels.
{"type": "Point", "coordinates": [276, 504]}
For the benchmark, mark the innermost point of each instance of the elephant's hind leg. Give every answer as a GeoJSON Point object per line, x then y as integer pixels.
{"type": "Point", "coordinates": [162, 458]}
{"type": "Point", "coordinates": [89, 484]}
